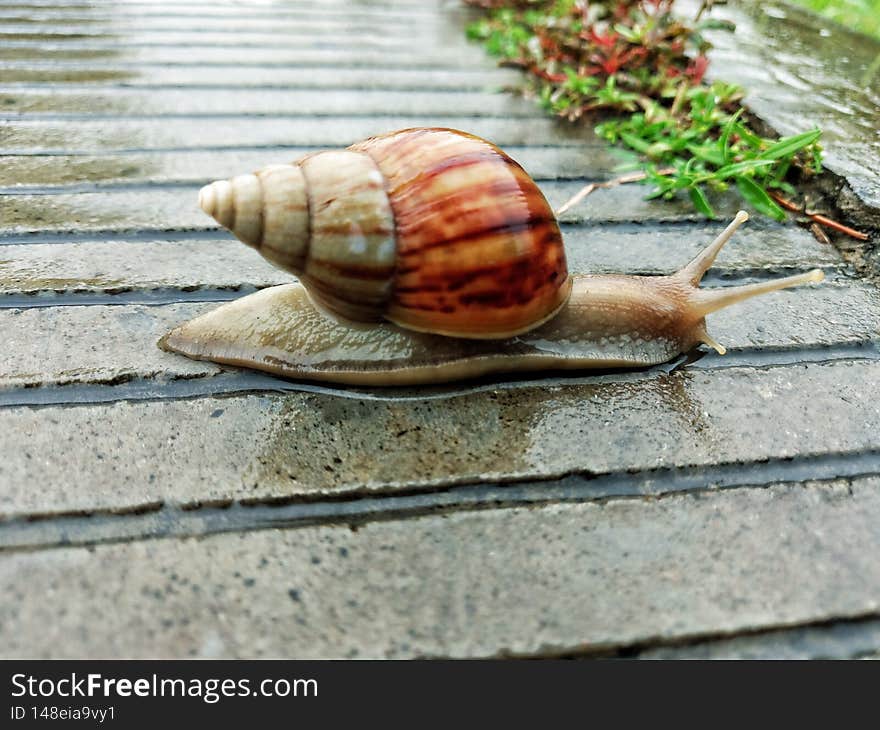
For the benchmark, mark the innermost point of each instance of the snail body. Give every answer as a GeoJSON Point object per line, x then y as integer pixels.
{"type": "Point", "coordinates": [429, 256]}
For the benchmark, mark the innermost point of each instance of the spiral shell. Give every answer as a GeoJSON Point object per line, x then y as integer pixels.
{"type": "Point", "coordinates": [435, 230]}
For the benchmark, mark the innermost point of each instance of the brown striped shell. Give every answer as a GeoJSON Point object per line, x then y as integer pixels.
{"type": "Point", "coordinates": [433, 229]}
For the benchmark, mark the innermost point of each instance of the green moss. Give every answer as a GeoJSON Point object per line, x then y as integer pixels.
{"type": "Point", "coordinates": [862, 16]}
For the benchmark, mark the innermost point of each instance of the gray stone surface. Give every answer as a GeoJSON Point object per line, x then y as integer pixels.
{"type": "Point", "coordinates": [104, 134]}
{"type": "Point", "coordinates": [299, 39]}
{"type": "Point", "coordinates": [83, 75]}
{"type": "Point", "coordinates": [519, 581]}
{"type": "Point", "coordinates": [112, 264]}
{"type": "Point", "coordinates": [15, 22]}
{"type": "Point", "coordinates": [117, 265]}
{"type": "Point", "coordinates": [309, 103]}
{"type": "Point", "coordinates": [46, 345]}
{"type": "Point", "coordinates": [173, 208]}
{"type": "Point", "coordinates": [121, 455]}
{"type": "Point", "coordinates": [63, 51]}
{"type": "Point", "coordinates": [26, 135]}
{"type": "Point", "coordinates": [199, 167]}
{"type": "Point", "coordinates": [329, 9]}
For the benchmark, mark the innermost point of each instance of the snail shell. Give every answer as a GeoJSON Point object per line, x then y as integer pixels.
{"type": "Point", "coordinates": [432, 229]}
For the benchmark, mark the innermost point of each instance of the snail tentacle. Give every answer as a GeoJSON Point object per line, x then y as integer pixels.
{"type": "Point", "coordinates": [700, 302]}
{"type": "Point", "coordinates": [706, 301]}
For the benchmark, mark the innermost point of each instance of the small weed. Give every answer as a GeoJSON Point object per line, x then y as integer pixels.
{"type": "Point", "coordinates": [644, 67]}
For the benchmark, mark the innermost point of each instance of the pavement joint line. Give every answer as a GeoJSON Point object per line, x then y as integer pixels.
{"type": "Point", "coordinates": [12, 87]}
{"type": "Point", "coordinates": [867, 621]}
{"type": "Point", "coordinates": [122, 236]}
{"type": "Point", "coordinates": [159, 296]}
{"type": "Point", "coordinates": [162, 296]}
{"type": "Point", "coordinates": [113, 152]}
{"type": "Point", "coordinates": [397, 7]}
{"type": "Point", "coordinates": [102, 117]}
{"type": "Point", "coordinates": [123, 186]}
{"type": "Point", "coordinates": [39, 531]}
{"type": "Point", "coordinates": [65, 65]}
{"type": "Point", "coordinates": [80, 188]}
{"type": "Point", "coordinates": [341, 63]}
{"type": "Point", "coordinates": [100, 43]}
{"type": "Point", "coordinates": [406, 14]}
{"type": "Point", "coordinates": [54, 30]}
{"type": "Point", "coordinates": [574, 148]}
{"type": "Point", "coordinates": [236, 383]}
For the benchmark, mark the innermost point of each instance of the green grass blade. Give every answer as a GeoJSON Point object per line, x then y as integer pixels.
{"type": "Point", "coordinates": [790, 145]}
{"type": "Point", "coordinates": [724, 142]}
{"type": "Point", "coordinates": [737, 168]}
{"type": "Point", "coordinates": [636, 143]}
{"type": "Point", "coordinates": [758, 197]}
{"type": "Point", "coordinates": [698, 198]}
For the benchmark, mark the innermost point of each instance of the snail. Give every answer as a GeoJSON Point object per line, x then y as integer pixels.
{"type": "Point", "coordinates": [428, 255]}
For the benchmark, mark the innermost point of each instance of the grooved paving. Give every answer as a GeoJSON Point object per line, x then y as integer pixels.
{"type": "Point", "coordinates": [562, 579]}
{"type": "Point", "coordinates": [172, 208]}
{"type": "Point", "coordinates": [44, 347]}
{"type": "Point", "coordinates": [126, 454]}
{"type": "Point", "coordinates": [710, 507]}
{"type": "Point", "coordinates": [222, 262]}
{"type": "Point", "coordinates": [76, 78]}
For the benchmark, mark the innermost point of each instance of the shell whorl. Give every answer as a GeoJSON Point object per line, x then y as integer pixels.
{"type": "Point", "coordinates": [325, 218]}
{"type": "Point", "coordinates": [267, 210]}
{"type": "Point", "coordinates": [433, 229]}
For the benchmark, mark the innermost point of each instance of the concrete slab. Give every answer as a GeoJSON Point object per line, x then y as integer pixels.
{"type": "Point", "coordinates": [111, 263]}
{"type": "Point", "coordinates": [136, 135]}
{"type": "Point", "coordinates": [589, 160]}
{"type": "Point", "coordinates": [96, 18]}
{"type": "Point", "coordinates": [44, 345]}
{"type": "Point", "coordinates": [175, 208]}
{"type": "Point", "coordinates": [263, 102]}
{"type": "Point", "coordinates": [126, 16]}
{"type": "Point", "coordinates": [126, 454]}
{"type": "Point", "coordinates": [394, 13]}
{"type": "Point", "coordinates": [164, 7]}
{"type": "Point", "coordinates": [520, 581]}
{"type": "Point", "coordinates": [38, 75]}
{"type": "Point", "coordinates": [63, 51]}
{"type": "Point", "coordinates": [17, 21]}
{"type": "Point", "coordinates": [294, 38]}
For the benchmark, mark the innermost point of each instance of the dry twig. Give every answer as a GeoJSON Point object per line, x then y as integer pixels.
{"type": "Point", "coordinates": [819, 218]}
{"type": "Point", "coordinates": [590, 187]}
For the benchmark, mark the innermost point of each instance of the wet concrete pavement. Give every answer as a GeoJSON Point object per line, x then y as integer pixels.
{"type": "Point", "coordinates": [723, 507]}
